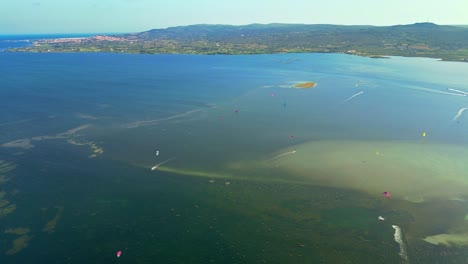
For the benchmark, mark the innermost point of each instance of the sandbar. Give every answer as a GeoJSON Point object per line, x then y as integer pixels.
{"type": "Point", "coordinates": [304, 85]}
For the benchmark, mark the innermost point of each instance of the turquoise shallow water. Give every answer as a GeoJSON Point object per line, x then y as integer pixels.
{"type": "Point", "coordinates": [79, 135]}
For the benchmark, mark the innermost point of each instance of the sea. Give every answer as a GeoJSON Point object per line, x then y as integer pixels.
{"type": "Point", "coordinates": [220, 159]}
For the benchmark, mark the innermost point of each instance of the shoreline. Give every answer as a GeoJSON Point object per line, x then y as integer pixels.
{"type": "Point", "coordinates": [388, 56]}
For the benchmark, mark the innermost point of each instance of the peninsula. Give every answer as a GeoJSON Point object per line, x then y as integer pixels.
{"type": "Point", "coordinates": [414, 40]}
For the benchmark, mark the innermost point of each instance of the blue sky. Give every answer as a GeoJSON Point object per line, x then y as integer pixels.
{"type": "Point", "coordinates": [94, 16]}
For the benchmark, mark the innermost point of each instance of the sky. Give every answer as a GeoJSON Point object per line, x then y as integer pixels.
{"type": "Point", "coordinates": [115, 16]}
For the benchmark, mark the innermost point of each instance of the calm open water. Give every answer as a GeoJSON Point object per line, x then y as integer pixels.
{"type": "Point", "coordinates": [294, 176]}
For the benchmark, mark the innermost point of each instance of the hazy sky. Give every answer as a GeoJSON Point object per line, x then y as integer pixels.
{"type": "Point", "coordinates": [91, 16]}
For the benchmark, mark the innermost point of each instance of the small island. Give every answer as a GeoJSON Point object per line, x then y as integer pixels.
{"type": "Point", "coordinates": [305, 85]}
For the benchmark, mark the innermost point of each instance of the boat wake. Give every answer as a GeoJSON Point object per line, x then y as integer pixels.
{"type": "Point", "coordinates": [458, 91]}
{"type": "Point", "coordinates": [399, 240]}
{"type": "Point", "coordinates": [354, 95]}
{"type": "Point", "coordinates": [155, 167]}
{"type": "Point", "coordinates": [460, 112]}
{"type": "Point", "coordinates": [283, 154]}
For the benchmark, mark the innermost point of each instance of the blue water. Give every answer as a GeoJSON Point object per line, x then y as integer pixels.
{"type": "Point", "coordinates": [184, 106]}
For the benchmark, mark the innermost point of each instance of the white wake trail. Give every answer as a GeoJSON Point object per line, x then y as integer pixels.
{"type": "Point", "coordinates": [354, 95]}
{"type": "Point", "coordinates": [399, 240]}
{"type": "Point", "coordinates": [159, 164]}
{"type": "Point", "coordinates": [460, 112]}
{"type": "Point", "coordinates": [422, 89]}
{"type": "Point", "coordinates": [283, 154]}
{"type": "Point", "coordinates": [458, 91]}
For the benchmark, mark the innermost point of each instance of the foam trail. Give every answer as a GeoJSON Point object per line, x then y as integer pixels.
{"type": "Point", "coordinates": [156, 121]}
{"type": "Point", "coordinates": [159, 164]}
{"type": "Point", "coordinates": [284, 154]}
{"type": "Point", "coordinates": [400, 242]}
{"type": "Point", "coordinates": [354, 95]}
{"type": "Point", "coordinates": [457, 91]}
{"type": "Point", "coordinates": [460, 112]}
{"type": "Point", "coordinates": [435, 91]}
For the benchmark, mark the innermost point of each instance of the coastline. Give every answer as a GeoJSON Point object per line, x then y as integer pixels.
{"type": "Point", "coordinates": [386, 56]}
{"type": "Point", "coordinates": [72, 45]}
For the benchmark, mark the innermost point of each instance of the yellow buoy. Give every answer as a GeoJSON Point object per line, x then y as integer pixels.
{"type": "Point", "coordinates": [424, 134]}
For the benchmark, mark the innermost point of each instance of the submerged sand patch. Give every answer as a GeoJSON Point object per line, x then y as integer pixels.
{"type": "Point", "coordinates": [7, 210]}
{"type": "Point", "coordinates": [50, 226]}
{"type": "Point", "coordinates": [409, 170]}
{"type": "Point", "coordinates": [3, 203]}
{"type": "Point", "coordinates": [19, 244]}
{"type": "Point", "coordinates": [86, 116]}
{"type": "Point", "coordinates": [25, 143]}
{"type": "Point", "coordinates": [96, 150]}
{"type": "Point", "coordinates": [3, 179]}
{"type": "Point", "coordinates": [6, 166]}
{"type": "Point", "coordinates": [21, 143]}
{"type": "Point", "coordinates": [17, 231]}
{"type": "Point", "coordinates": [457, 240]}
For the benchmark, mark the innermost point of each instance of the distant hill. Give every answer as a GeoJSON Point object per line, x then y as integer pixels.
{"type": "Point", "coordinates": [420, 39]}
